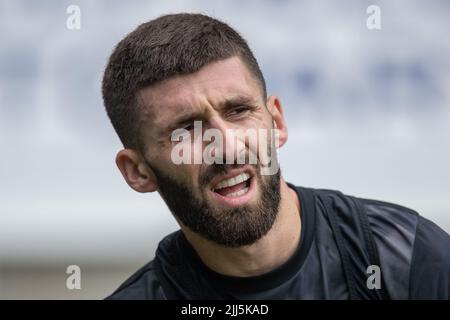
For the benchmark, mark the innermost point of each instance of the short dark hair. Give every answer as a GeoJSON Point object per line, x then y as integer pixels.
{"type": "Point", "coordinates": [156, 50]}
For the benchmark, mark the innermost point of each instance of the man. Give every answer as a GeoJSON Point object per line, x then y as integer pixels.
{"type": "Point", "coordinates": [245, 232]}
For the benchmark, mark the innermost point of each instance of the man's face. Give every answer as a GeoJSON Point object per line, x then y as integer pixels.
{"type": "Point", "coordinates": [231, 204]}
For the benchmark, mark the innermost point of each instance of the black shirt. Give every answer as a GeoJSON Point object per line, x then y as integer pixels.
{"type": "Point", "coordinates": [341, 237]}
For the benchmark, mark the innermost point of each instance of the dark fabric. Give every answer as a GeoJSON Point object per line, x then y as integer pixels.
{"type": "Point", "coordinates": [341, 236]}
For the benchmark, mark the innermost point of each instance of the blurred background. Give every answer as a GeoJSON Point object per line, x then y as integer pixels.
{"type": "Point", "coordinates": [368, 113]}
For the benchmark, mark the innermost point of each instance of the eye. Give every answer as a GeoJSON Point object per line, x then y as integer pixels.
{"type": "Point", "coordinates": [189, 126]}
{"type": "Point", "coordinates": [238, 110]}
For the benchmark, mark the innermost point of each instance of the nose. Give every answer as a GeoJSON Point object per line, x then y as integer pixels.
{"type": "Point", "coordinates": [231, 146]}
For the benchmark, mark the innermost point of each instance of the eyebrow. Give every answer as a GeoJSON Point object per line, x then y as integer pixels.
{"type": "Point", "coordinates": [238, 100]}
{"type": "Point", "coordinates": [223, 105]}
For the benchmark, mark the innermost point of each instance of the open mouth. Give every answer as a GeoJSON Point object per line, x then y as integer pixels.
{"type": "Point", "coordinates": [236, 190]}
{"type": "Point", "coordinates": [233, 187]}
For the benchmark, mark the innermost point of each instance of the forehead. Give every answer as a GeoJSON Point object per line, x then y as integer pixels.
{"type": "Point", "coordinates": [209, 86]}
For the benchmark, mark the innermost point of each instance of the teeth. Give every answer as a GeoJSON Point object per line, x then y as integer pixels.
{"type": "Point", "coordinates": [237, 193]}
{"type": "Point", "coordinates": [232, 181]}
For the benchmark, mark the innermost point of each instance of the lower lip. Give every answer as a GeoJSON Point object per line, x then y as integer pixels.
{"type": "Point", "coordinates": [239, 200]}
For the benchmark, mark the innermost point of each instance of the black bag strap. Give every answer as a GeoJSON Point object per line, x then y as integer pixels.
{"type": "Point", "coordinates": [372, 252]}
{"type": "Point", "coordinates": [348, 269]}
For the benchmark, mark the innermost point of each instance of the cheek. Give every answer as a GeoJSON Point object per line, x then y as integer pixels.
{"type": "Point", "coordinates": [189, 174]}
{"type": "Point", "coordinates": [256, 119]}
{"type": "Point", "coordinates": [259, 121]}
{"type": "Point", "coordinates": [179, 173]}
{"type": "Point", "coordinates": [261, 131]}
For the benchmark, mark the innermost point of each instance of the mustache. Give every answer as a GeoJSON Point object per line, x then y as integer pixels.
{"type": "Point", "coordinates": [216, 169]}
{"type": "Point", "coordinates": [221, 168]}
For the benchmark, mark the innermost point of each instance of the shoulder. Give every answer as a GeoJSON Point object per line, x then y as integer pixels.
{"type": "Point", "coordinates": [142, 285]}
{"type": "Point", "coordinates": [430, 269]}
{"type": "Point", "coordinates": [393, 228]}
{"type": "Point", "coordinates": [414, 252]}
{"type": "Point", "coordinates": [393, 222]}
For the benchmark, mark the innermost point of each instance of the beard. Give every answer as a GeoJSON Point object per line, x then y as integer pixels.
{"type": "Point", "coordinates": [230, 227]}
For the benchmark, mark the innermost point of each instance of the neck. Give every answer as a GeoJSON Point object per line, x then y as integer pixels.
{"type": "Point", "coordinates": [266, 254]}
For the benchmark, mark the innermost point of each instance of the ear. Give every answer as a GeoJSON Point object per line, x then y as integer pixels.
{"type": "Point", "coordinates": [275, 109]}
{"type": "Point", "coordinates": [135, 171]}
